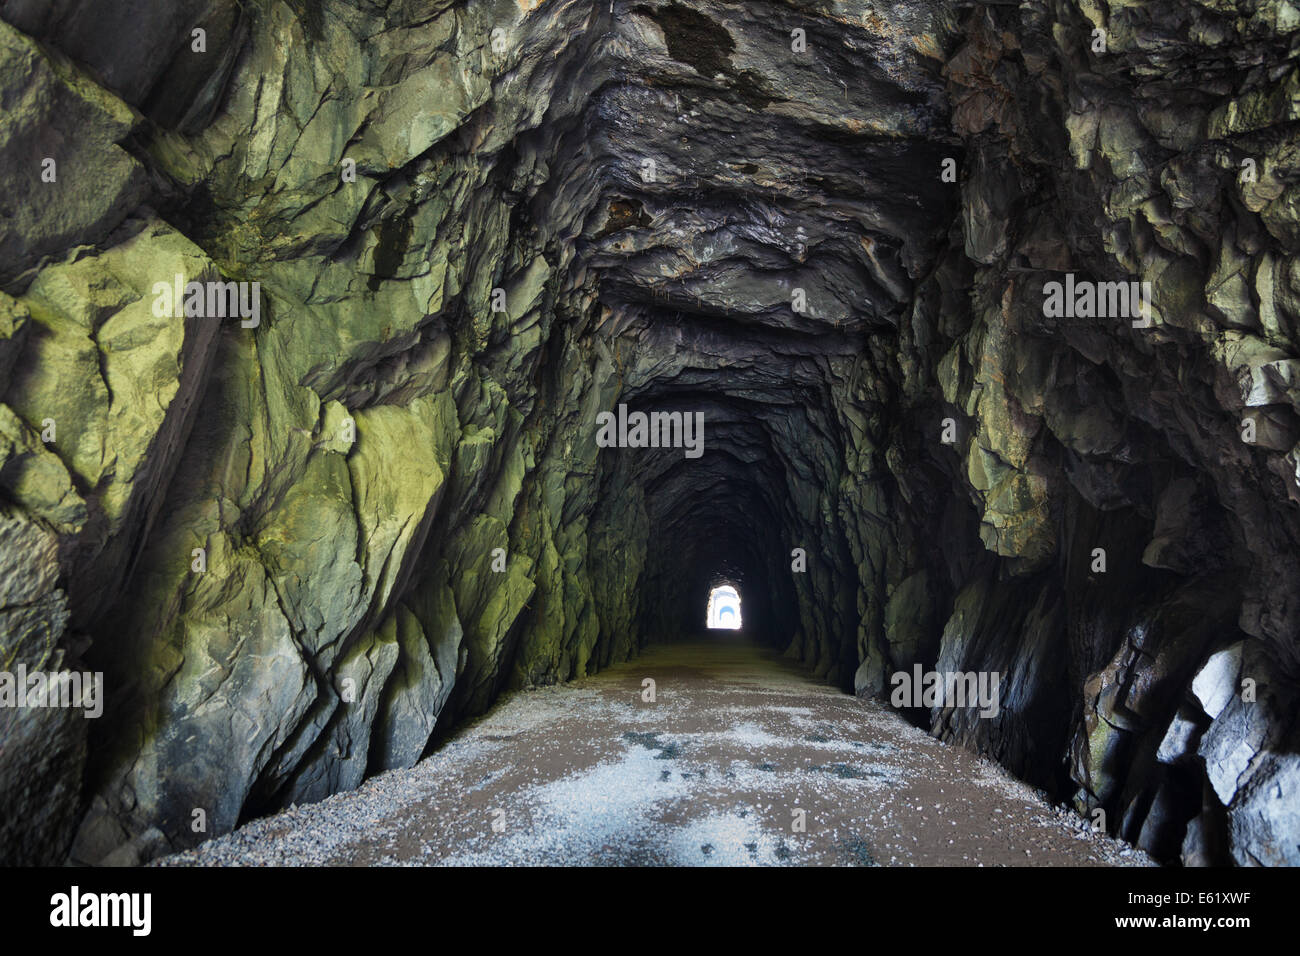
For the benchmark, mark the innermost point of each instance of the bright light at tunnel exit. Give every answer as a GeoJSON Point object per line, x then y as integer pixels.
{"type": "Point", "coordinates": [724, 608]}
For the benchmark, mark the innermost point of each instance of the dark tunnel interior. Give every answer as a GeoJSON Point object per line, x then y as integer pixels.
{"type": "Point", "coordinates": [988, 315]}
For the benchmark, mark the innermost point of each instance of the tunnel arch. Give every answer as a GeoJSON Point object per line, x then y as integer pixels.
{"type": "Point", "coordinates": [396, 476]}
{"type": "Point", "coordinates": [723, 611]}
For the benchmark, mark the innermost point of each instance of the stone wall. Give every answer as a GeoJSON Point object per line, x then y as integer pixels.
{"type": "Point", "coordinates": [300, 551]}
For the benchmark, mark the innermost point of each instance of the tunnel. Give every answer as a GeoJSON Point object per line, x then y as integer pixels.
{"type": "Point", "coordinates": [723, 610]}
{"type": "Point", "coordinates": [366, 368]}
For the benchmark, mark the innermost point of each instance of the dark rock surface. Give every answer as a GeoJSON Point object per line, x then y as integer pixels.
{"type": "Point", "coordinates": [559, 207]}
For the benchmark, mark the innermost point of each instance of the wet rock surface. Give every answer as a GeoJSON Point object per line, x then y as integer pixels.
{"type": "Point", "coordinates": [303, 551]}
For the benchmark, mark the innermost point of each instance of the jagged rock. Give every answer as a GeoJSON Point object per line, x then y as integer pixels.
{"type": "Point", "coordinates": [1180, 740]}
{"type": "Point", "coordinates": [1215, 684]}
{"type": "Point", "coordinates": [477, 227]}
{"type": "Point", "coordinates": [338, 759]}
{"type": "Point", "coordinates": [415, 693]}
{"type": "Point", "coordinates": [61, 137]}
{"type": "Point", "coordinates": [13, 330]}
{"type": "Point", "coordinates": [44, 747]}
{"type": "Point", "coordinates": [118, 383]}
{"type": "Point", "coordinates": [1265, 821]}
{"type": "Point", "coordinates": [1203, 842]}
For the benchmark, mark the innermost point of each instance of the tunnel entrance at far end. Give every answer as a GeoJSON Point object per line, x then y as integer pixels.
{"type": "Point", "coordinates": [723, 612]}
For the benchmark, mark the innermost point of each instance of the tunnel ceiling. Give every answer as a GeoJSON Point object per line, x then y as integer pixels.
{"type": "Point", "coordinates": [302, 542]}
{"type": "Point", "coordinates": [703, 223]}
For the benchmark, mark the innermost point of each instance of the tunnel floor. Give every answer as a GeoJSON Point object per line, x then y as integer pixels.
{"type": "Point", "coordinates": [711, 773]}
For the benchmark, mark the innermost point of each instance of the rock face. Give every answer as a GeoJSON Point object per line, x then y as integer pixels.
{"type": "Point", "coordinates": [299, 545]}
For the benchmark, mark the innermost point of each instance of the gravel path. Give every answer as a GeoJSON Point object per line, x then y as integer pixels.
{"type": "Point", "coordinates": [738, 746]}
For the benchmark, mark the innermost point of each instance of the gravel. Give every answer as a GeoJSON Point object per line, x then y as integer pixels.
{"type": "Point", "coordinates": [743, 760]}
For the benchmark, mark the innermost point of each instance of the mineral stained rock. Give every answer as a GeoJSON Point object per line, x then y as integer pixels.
{"type": "Point", "coordinates": [298, 550]}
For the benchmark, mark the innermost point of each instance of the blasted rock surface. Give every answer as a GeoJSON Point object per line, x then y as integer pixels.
{"type": "Point", "coordinates": [299, 551]}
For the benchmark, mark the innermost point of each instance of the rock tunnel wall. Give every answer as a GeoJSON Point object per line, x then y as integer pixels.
{"type": "Point", "coordinates": [301, 548]}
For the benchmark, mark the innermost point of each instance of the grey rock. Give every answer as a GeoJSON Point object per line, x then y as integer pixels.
{"type": "Point", "coordinates": [662, 206]}
{"type": "Point", "coordinates": [1215, 683]}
